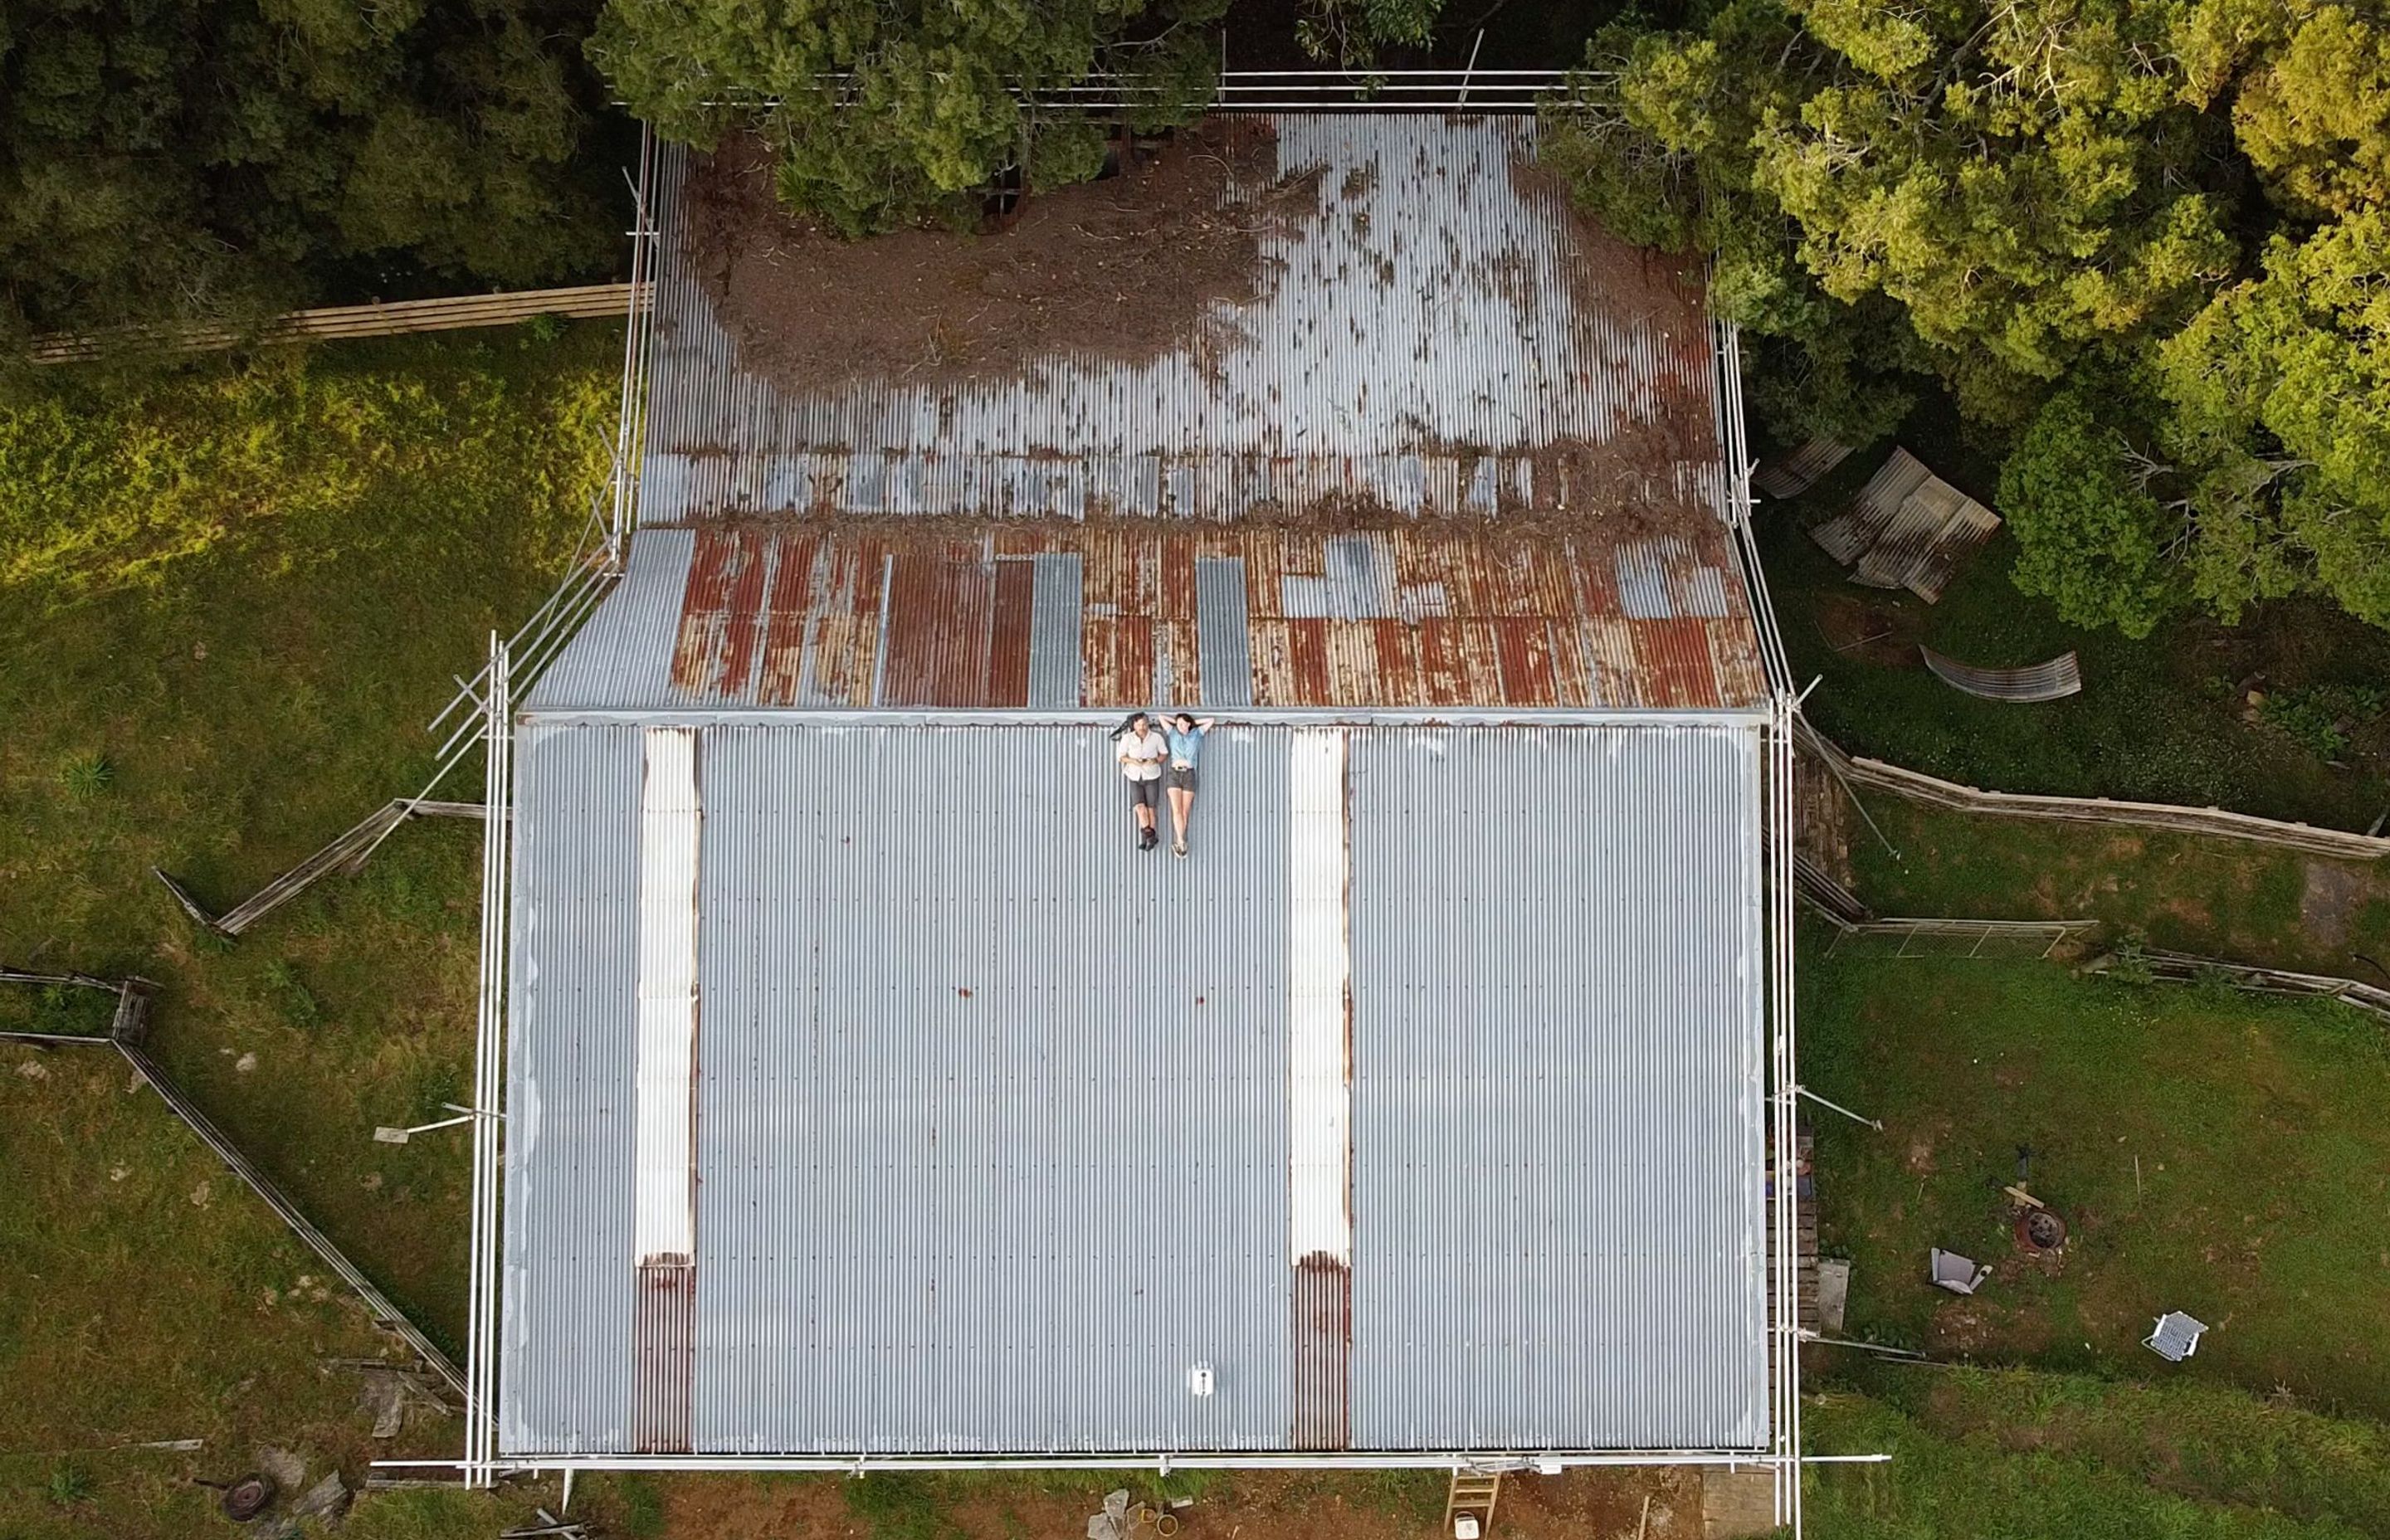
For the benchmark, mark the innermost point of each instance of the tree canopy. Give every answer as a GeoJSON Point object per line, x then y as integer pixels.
{"type": "Point", "coordinates": [2015, 195]}
{"type": "Point", "coordinates": [221, 158]}
{"type": "Point", "coordinates": [881, 114]}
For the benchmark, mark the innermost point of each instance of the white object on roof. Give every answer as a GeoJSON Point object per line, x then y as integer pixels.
{"type": "Point", "coordinates": [2176, 1337]}
{"type": "Point", "coordinates": [1959, 1275]}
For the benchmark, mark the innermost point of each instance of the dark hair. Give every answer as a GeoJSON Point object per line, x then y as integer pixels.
{"type": "Point", "coordinates": [1186, 717]}
{"type": "Point", "coordinates": [1128, 724]}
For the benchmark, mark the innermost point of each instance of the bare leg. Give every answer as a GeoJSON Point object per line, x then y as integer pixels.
{"type": "Point", "coordinates": [1182, 801]}
{"type": "Point", "coordinates": [1144, 818]}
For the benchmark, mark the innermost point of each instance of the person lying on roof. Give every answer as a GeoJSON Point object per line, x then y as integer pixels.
{"type": "Point", "coordinates": [1186, 737]}
{"type": "Point", "coordinates": [1141, 751]}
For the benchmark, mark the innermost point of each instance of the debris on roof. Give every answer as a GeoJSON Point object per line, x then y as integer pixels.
{"type": "Point", "coordinates": [1444, 335]}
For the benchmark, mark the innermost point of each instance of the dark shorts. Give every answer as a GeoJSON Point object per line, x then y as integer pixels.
{"type": "Point", "coordinates": [1145, 793]}
{"type": "Point", "coordinates": [1179, 779]}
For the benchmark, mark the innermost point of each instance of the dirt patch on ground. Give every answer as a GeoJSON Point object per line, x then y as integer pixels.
{"type": "Point", "coordinates": [2333, 895]}
{"type": "Point", "coordinates": [1127, 267]}
{"type": "Point", "coordinates": [1579, 1504]}
{"type": "Point", "coordinates": [1869, 630]}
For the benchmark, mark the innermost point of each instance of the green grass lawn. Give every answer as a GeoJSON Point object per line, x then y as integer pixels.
{"type": "Point", "coordinates": [229, 600]}
{"type": "Point", "coordinates": [149, 1296]}
{"type": "Point", "coordinates": [2220, 898]}
{"type": "Point", "coordinates": [2211, 1152]}
{"type": "Point", "coordinates": [2161, 720]}
{"type": "Point", "coordinates": [1994, 1455]}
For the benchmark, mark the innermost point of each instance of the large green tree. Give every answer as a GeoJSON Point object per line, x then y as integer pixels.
{"type": "Point", "coordinates": [219, 159]}
{"type": "Point", "coordinates": [882, 113]}
{"type": "Point", "coordinates": [2279, 397]}
{"type": "Point", "coordinates": [2019, 180]}
{"type": "Point", "coordinates": [2047, 204]}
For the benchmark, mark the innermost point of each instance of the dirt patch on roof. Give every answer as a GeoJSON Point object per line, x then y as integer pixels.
{"type": "Point", "coordinates": [1660, 289]}
{"type": "Point", "coordinates": [1129, 267]}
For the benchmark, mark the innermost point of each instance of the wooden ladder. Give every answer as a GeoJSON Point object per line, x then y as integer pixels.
{"type": "Point", "coordinates": [1472, 1493]}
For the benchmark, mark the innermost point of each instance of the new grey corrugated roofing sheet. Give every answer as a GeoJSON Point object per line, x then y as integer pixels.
{"type": "Point", "coordinates": [993, 1110]}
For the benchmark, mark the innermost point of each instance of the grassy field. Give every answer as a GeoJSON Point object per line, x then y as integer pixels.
{"type": "Point", "coordinates": [2211, 1152]}
{"type": "Point", "coordinates": [2162, 720]}
{"type": "Point", "coordinates": [149, 1296]}
{"type": "Point", "coordinates": [228, 602]}
{"type": "Point", "coordinates": [1991, 1455]}
{"type": "Point", "coordinates": [2220, 898]}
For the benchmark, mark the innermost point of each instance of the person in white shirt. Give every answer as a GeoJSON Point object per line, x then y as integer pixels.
{"type": "Point", "coordinates": [1142, 752]}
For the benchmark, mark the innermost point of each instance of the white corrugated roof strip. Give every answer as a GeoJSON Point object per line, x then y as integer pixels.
{"type": "Point", "coordinates": [665, 1207]}
{"type": "Point", "coordinates": [1319, 1069]}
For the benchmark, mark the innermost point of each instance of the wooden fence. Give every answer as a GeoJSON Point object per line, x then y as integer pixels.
{"type": "Point", "coordinates": [1932, 791]}
{"type": "Point", "coordinates": [389, 320]}
{"type": "Point", "coordinates": [2188, 968]}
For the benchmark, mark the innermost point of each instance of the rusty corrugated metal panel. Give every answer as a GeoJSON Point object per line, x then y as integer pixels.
{"type": "Point", "coordinates": [721, 613]}
{"type": "Point", "coordinates": [1523, 651]}
{"type": "Point", "coordinates": [663, 1357]}
{"type": "Point", "coordinates": [1116, 663]}
{"type": "Point", "coordinates": [1008, 642]}
{"type": "Point", "coordinates": [1307, 661]}
{"type": "Point", "coordinates": [1396, 646]}
{"type": "Point", "coordinates": [843, 659]}
{"type": "Point", "coordinates": [940, 606]}
{"type": "Point", "coordinates": [1444, 665]}
{"type": "Point", "coordinates": [1673, 658]}
{"type": "Point", "coordinates": [1572, 677]}
{"type": "Point", "coordinates": [1323, 1354]}
{"type": "Point", "coordinates": [1178, 661]}
{"type": "Point", "coordinates": [1132, 617]}
{"type": "Point", "coordinates": [1273, 663]}
{"type": "Point", "coordinates": [1742, 679]}
{"type": "Point", "coordinates": [743, 619]}
{"type": "Point", "coordinates": [786, 610]}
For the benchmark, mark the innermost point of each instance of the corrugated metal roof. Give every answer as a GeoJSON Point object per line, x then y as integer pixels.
{"type": "Point", "coordinates": [994, 1118]}
{"type": "Point", "coordinates": [1058, 615]}
{"type": "Point", "coordinates": [1443, 337]}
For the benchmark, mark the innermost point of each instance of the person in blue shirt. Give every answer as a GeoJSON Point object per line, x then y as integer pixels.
{"type": "Point", "coordinates": [1186, 738]}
